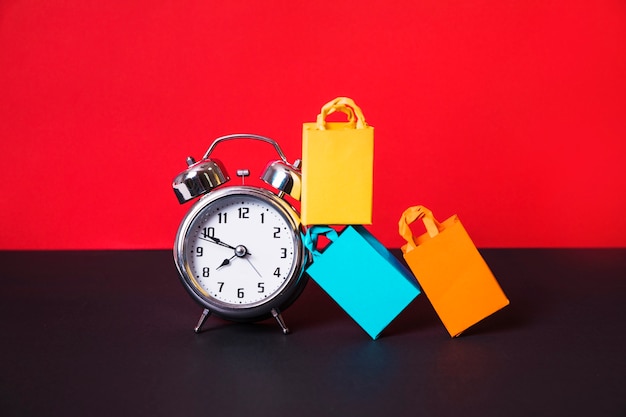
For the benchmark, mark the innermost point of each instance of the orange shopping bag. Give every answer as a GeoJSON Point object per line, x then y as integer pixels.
{"type": "Point", "coordinates": [450, 270]}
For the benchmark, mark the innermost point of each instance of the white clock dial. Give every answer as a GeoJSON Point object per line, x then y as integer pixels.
{"type": "Point", "coordinates": [241, 250]}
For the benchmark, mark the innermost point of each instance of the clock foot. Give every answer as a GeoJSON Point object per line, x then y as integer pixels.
{"type": "Point", "coordinates": [280, 321]}
{"type": "Point", "coordinates": [205, 314]}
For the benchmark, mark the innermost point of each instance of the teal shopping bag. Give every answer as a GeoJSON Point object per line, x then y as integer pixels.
{"type": "Point", "coordinates": [361, 275]}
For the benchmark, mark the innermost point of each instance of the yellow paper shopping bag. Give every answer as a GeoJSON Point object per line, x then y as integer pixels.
{"type": "Point", "coordinates": [450, 270]}
{"type": "Point", "coordinates": [337, 167]}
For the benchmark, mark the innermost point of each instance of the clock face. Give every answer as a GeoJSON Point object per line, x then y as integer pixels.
{"type": "Point", "coordinates": [239, 249]}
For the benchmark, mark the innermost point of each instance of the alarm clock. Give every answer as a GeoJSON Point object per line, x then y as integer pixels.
{"type": "Point", "coordinates": [239, 249]}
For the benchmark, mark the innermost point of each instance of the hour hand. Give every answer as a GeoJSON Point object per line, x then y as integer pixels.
{"type": "Point", "coordinates": [240, 252]}
{"type": "Point", "coordinates": [226, 261]}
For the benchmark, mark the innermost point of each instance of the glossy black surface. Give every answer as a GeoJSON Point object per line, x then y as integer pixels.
{"type": "Point", "coordinates": [110, 333]}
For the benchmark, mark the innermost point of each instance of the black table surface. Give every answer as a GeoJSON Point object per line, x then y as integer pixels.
{"type": "Point", "coordinates": [110, 333]}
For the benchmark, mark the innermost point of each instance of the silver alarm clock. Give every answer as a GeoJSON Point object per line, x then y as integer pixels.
{"type": "Point", "coordinates": [239, 249]}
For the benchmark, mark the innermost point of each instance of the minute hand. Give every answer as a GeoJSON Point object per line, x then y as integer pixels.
{"type": "Point", "coordinates": [217, 242]}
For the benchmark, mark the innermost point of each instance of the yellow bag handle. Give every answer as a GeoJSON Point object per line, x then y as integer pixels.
{"type": "Point", "coordinates": [344, 109]}
{"type": "Point", "coordinates": [433, 227]}
{"type": "Point", "coordinates": [345, 105]}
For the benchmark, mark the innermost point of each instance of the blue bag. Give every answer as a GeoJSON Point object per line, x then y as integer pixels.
{"type": "Point", "coordinates": [361, 275]}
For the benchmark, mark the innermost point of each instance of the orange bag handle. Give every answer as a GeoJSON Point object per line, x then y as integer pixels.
{"type": "Point", "coordinates": [345, 105]}
{"type": "Point", "coordinates": [433, 227]}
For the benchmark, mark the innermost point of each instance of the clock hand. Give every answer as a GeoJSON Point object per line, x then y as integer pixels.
{"type": "Point", "coordinates": [217, 241]}
{"type": "Point", "coordinates": [226, 245]}
{"type": "Point", "coordinates": [255, 270]}
{"type": "Point", "coordinates": [226, 261]}
{"type": "Point", "coordinates": [240, 252]}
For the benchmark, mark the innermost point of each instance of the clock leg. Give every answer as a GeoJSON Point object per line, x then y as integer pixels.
{"type": "Point", "coordinates": [205, 314]}
{"type": "Point", "coordinates": [280, 320]}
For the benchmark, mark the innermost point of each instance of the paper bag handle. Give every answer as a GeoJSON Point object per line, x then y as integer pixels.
{"type": "Point", "coordinates": [344, 109]}
{"type": "Point", "coordinates": [311, 235]}
{"type": "Point", "coordinates": [433, 227]}
{"type": "Point", "coordinates": [344, 105]}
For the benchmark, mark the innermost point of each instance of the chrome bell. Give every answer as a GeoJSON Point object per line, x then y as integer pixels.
{"type": "Point", "coordinates": [198, 179]}
{"type": "Point", "coordinates": [284, 177]}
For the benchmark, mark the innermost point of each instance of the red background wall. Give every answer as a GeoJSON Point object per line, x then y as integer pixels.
{"type": "Point", "coordinates": [509, 113]}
